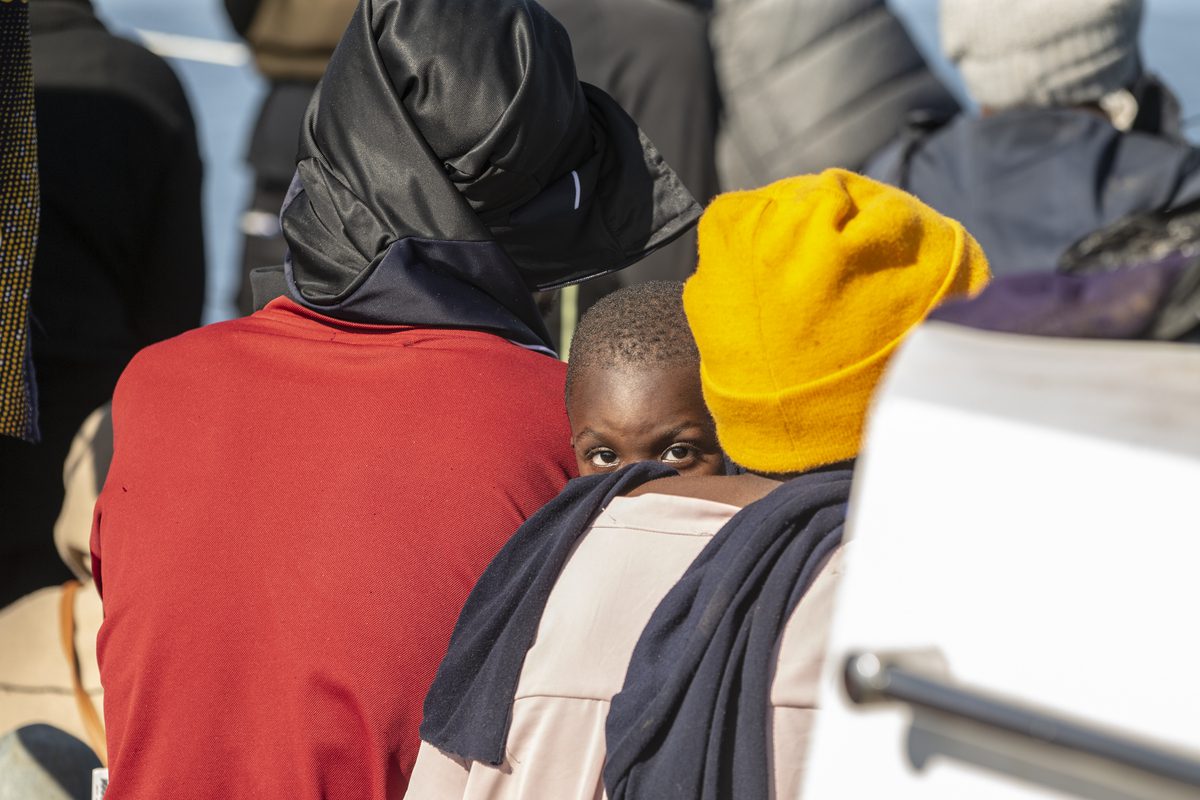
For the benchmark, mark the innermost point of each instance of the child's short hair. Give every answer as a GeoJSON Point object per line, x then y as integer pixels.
{"type": "Point", "coordinates": [640, 325]}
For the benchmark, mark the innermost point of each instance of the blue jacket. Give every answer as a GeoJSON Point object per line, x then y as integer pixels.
{"type": "Point", "coordinates": [1029, 183]}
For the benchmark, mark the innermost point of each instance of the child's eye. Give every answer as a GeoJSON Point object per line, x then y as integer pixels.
{"type": "Point", "coordinates": [602, 458]}
{"type": "Point", "coordinates": [676, 453]}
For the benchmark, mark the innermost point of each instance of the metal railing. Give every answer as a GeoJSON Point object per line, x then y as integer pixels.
{"type": "Point", "coordinates": [1032, 744]}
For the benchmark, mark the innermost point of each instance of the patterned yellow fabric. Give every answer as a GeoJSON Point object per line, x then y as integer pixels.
{"type": "Point", "coordinates": [18, 220]}
{"type": "Point", "coordinates": [803, 292]}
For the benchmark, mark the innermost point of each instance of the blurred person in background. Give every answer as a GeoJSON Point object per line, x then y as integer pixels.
{"type": "Point", "coordinates": [292, 41]}
{"type": "Point", "coordinates": [300, 500]}
{"type": "Point", "coordinates": [1071, 134]}
{"type": "Point", "coordinates": [120, 261]}
{"type": "Point", "coordinates": [808, 84]}
{"type": "Point", "coordinates": [742, 93]}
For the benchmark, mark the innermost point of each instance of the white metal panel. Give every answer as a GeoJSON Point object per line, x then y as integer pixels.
{"type": "Point", "coordinates": [1029, 507]}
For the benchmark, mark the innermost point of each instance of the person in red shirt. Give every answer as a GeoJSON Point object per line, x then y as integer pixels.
{"type": "Point", "coordinates": [300, 501]}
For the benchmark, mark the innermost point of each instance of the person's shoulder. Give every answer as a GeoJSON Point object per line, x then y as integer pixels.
{"type": "Point", "coordinates": [543, 364]}
{"type": "Point", "coordinates": [98, 60]}
{"type": "Point", "coordinates": [531, 385]}
{"type": "Point", "coordinates": [153, 69]}
{"type": "Point", "coordinates": [150, 79]}
{"type": "Point", "coordinates": [1154, 143]}
{"type": "Point", "coordinates": [1167, 168]}
{"type": "Point", "coordinates": [1053, 130]}
{"type": "Point", "coordinates": [922, 136]}
{"type": "Point", "coordinates": [506, 356]}
{"type": "Point", "coordinates": [184, 353]}
{"type": "Point", "coordinates": [733, 490]}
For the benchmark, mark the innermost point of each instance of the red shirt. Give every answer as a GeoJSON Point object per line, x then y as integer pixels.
{"type": "Point", "coordinates": [296, 510]}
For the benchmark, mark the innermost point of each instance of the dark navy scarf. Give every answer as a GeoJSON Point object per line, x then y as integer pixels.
{"type": "Point", "coordinates": [692, 719]}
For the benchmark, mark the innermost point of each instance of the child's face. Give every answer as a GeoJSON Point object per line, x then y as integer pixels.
{"type": "Point", "coordinates": [629, 414]}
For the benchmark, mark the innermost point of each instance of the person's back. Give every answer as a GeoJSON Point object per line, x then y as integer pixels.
{"type": "Point", "coordinates": [121, 249]}
{"type": "Point", "coordinates": [299, 501]}
{"type": "Point", "coordinates": [1071, 135]}
{"type": "Point", "coordinates": [120, 257]}
{"type": "Point", "coordinates": [297, 476]}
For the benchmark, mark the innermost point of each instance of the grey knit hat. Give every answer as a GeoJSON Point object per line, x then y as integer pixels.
{"type": "Point", "coordinates": [1042, 52]}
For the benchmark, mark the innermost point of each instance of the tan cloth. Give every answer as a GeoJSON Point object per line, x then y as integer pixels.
{"type": "Point", "coordinates": [35, 675]}
{"type": "Point", "coordinates": [635, 552]}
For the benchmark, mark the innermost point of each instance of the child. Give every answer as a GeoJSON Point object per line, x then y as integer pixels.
{"type": "Point", "coordinates": [633, 386]}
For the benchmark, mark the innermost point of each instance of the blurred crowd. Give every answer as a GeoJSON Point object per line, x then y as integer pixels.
{"type": "Point", "coordinates": [525, 470]}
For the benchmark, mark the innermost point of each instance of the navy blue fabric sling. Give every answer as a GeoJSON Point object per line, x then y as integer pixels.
{"type": "Point", "coordinates": [692, 719]}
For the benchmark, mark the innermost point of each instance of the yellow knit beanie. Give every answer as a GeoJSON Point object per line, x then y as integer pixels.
{"type": "Point", "coordinates": [803, 291]}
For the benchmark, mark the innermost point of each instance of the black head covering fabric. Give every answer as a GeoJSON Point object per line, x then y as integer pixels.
{"type": "Point", "coordinates": [451, 163]}
{"type": "Point", "coordinates": [693, 717]}
{"type": "Point", "coordinates": [468, 708]}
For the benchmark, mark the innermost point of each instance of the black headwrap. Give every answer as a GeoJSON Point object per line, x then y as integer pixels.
{"type": "Point", "coordinates": [451, 163]}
